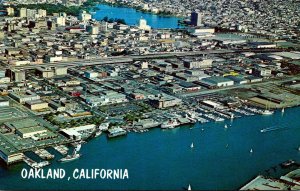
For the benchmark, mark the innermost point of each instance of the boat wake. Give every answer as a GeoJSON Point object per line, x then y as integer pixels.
{"type": "Point", "coordinates": [272, 129]}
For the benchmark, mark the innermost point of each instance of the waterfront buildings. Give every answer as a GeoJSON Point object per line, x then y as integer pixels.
{"type": "Point", "coordinates": [73, 73]}
{"type": "Point", "coordinates": [290, 181]}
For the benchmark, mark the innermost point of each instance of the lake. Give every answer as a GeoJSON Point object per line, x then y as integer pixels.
{"type": "Point", "coordinates": [132, 16]}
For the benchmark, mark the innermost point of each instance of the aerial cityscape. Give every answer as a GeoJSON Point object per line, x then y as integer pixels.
{"type": "Point", "coordinates": [149, 95]}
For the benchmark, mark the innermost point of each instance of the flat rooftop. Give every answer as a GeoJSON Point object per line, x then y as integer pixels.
{"type": "Point", "coordinates": [25, 123]}
{"type": "Point", "coordinates": [262, 183]}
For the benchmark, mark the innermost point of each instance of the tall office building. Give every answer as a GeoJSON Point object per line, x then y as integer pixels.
{"type": "Point", "coordinates": [31, 13]}
{"type": "Point", "coordinates": [17, 75]}
{"type": "Point", "coordinates": [196, 19]}
{"type": "Point", "coordinates": [60, 21]}
{"type": "Point", "coordinates": [10, 11]}
{"type": "Point", "coordinates": [143, 24]}
{"type": "Point", "coordinates": [84, 16]}
{"type": "Point", "coordinates": [23, 12]}
{"type": "Point", "coordinates": [42, 13]}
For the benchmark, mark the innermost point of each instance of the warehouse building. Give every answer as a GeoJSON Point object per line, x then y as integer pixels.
{"type": "Point", "coordinates": [26, 128]}
{"type": "Point", "coordinates": [217, 81]}
{"type": "Point", "coordinates": [164, 101]}
{"type": "Point", "coordinates": [36, 105]}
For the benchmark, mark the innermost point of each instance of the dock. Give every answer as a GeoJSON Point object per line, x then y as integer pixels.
{"type": "Point", "coordinates": [44, 154]}
{"type": "Point", "coordinates": [62, 149]}
{"type": "Point", "coordinates": [34, 164]}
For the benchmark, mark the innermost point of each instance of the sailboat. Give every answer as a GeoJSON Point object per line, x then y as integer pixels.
{"type": "Point", "coordinates": [189, 187]}
{"type": "Point", "coordinates": [192, 145]}
{"type": "Point", "coordinates": [225, 126]}
{"type": "Point", "coordinates": [282, 110]}
{"type": "Point", "coordinates": [251, 151]}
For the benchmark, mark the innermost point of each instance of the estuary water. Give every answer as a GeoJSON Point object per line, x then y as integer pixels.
{"type": "Point", "coordinates": [163, 159]}
{"type": "Point", "coordinates": [132, 16]}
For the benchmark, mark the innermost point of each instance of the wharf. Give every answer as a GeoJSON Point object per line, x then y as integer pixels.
{"type": "Point", "coordinates": [62, 149]}
{"type": "Point", "coordinates": [44, 154]}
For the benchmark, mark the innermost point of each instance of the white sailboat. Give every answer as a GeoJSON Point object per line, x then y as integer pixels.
{"type": "Point", "coordinates": [192, 145]}
{"type": "Point", "coordinates": [251, 151]}
{"type": "Point", "coordinates": [225, 126]}
{"type": "Point", "coordinates": [282, 110]}
{"type": "Point", "coordinates": [189, 187]}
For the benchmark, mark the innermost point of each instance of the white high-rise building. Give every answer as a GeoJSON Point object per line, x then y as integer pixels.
{"type": "Point", "coordinates": [94, 30]}
{"type": "Point", "coordinates": [42, 13]}
{"type": "Point", "coordinates": [60, 21]}
{"type": "Point", "coordinates": [31, 13]}
{"type": "Point", "coordinates": [23, 12]}
{"type": "Point", "coordinates": [10, 11]}
{"type": "Point", "coordinates": [143, 25]}
{"type": "Point", "coordinates": [84, 16]}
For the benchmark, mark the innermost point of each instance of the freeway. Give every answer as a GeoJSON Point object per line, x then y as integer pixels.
{"type": "Point", "coordinates": [120, 59]}
{"type": "Point", "coordinates": [131, 58]}
{"type": "Point", "coordinates": [246, 86]}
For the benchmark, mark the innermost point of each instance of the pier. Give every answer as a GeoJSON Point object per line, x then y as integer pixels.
{"type": "Point", "coordinates": [34, 164]}
{"type": "Point", "coordinates": [62, 149]}
{"type": "Point", "coordinates": [44, 154]}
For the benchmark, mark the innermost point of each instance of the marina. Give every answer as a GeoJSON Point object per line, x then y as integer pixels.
{"type": "Point", "coordinates": [213, 140]}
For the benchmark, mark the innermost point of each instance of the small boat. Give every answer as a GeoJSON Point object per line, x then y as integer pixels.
{"type": "Point", "coordinates": [267, 112]}
{"type": "Point", "coordinates": [298, 148]}
{"type": "Point", "coordinates": [225, 126]}
{"type": "Point", "coordinates": [232, 116]}
{"type": "Point", "coordinates": [69, 158]}
{"type": "Point", "coordinates": [98, 133]}
{"type": "Point", "coordinates": [189, 187]}
{"type": "Point", "coordinates": [272, 129]}
{"type": "Point", "coordinates": [251, 151]}
{"type": "Point", "coordinates": [192, 145]}
{"type": "Point", "coordinates": [287, 164]}
{"type": "Point", "coordinates": [74, 155]}
{"type": "Point", "coordinates": [282, 110]}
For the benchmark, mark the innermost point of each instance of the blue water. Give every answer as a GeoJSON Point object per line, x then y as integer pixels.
{"type": "Point", "coordinates": [132, 16]}
{"type": "Point", "coordinates": [163, 159]}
